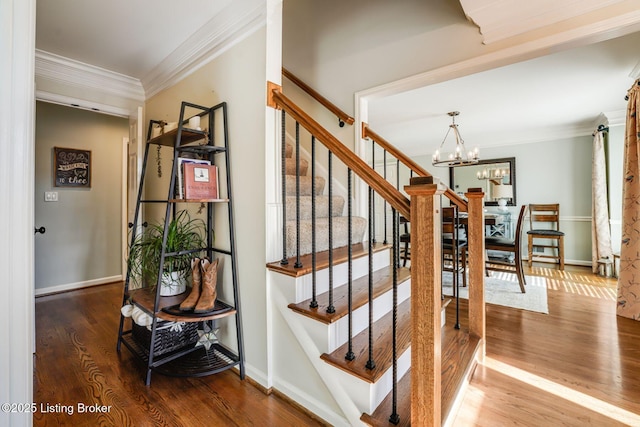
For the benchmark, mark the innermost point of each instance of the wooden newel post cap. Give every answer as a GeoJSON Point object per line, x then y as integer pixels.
{"type": "Point", "coordinates": [475, 192]}
{"type": "Point", "coordinates": [421, 180]}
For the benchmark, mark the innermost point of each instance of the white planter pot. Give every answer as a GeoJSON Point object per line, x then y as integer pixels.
{"type": "Point", "coordinates": [173, 283]}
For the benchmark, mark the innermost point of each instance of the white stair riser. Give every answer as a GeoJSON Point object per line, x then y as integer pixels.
{"type": "Point", "coordinates": [360, 267]}
{"type": "Point", "coordinates": [367, 396]}
{"type": "Point", "coordinates": [328, 337]}
{"type": "Point", "coordinates": [383, 304]}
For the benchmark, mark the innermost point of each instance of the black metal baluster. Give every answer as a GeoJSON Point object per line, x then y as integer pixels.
{"type": "Point", "coordinates": [298, 264]}
{"type": "Point", "coordinates": [384, 209]}
{"type": "Point", "coordinates": [284, 260]}
{"type": "Point", "coordinates": [330, 307]}
{"type": "Point", "coordinates": [395, 418]}
{"type": "Point", "coordinates": [314, 301]}
{"type": "Point", "coordinates": [456, 224]}
{"type": "Point", "coordinates": [350, 354]}
{"type": "Point", "coordinates": [397, 229]}
{"type": "Point", "coordinates": [370, 363]}
{"type": "Point", "coordinates": [373, 213]}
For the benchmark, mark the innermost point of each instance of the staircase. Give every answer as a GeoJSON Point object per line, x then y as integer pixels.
{"type": "Point", "coordinates": [339, 221]}
{"type": "Point", "coordinates": [341, 318]}
{"type": "Point", "coordinates": [358, 384]}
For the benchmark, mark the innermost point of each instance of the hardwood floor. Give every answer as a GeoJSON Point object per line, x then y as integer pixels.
{"type": "Point", "coordinates": [577, 366]}
{"type": "Point", "coordinates": [76, 363]}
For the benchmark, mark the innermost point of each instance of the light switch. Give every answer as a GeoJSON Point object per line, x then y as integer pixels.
{"type": "Point", "coordinates": [50, 196]}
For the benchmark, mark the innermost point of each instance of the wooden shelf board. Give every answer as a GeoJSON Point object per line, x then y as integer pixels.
{"type": "Point", "coordinates": [145, 299]}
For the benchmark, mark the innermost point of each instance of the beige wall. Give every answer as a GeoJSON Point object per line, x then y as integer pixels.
{"type": "Point", "coordinates": [237, 77]}
{"type": "Point", "coordinates": [82, 243]}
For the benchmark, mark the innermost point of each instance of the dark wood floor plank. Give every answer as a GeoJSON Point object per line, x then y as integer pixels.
{"type": "Point", "coordinates": [576, 366]}
{"type": "Point", "coordinates": [76, 362]}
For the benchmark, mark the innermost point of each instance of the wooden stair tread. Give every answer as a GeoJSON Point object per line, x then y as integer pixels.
{"type": "Point", "coordinates": [382, 282]}
{"type": "Point", "coordinates": [458, 351]}
{"type": "Point", "coordinates": [382, 345]}
{"type": "Point", "coordinates": [382, 348]}
{"type": "Point", "coordinates": [340, 255]}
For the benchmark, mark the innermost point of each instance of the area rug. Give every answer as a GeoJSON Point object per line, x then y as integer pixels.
{"type": "Point", "coordinates": [503, 289]}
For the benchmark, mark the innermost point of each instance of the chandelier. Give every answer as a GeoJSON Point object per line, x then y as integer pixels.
{"type": "Point", "coordinates": [459, 156]}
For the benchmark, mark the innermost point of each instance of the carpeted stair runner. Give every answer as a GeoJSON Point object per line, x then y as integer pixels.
{"type": "Point", "coordinates": [338, 212]}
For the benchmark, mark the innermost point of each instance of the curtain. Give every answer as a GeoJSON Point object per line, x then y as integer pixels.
{"type": "Point", "coordinates": [629, 277]}
{"type": "Point", "coordinates": [600, 231]}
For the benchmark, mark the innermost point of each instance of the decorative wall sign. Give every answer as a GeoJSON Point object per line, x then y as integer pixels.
{"type": "Point", "coordinates": [72, 167]}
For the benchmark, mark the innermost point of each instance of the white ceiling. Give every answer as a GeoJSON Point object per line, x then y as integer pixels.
{"type": "Point", "coordinates": [124, 36]}
{"type": "Point", "coordinates": [558, 95]}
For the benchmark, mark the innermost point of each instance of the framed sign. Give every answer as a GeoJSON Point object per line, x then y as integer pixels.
{"type": "Point", "coordinates": [72, 167]}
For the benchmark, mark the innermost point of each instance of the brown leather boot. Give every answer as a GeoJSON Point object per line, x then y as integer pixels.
{"type": "Point", "coordinates": [209, 278]}
{"type": "Point", "coordinates": [196, 283]}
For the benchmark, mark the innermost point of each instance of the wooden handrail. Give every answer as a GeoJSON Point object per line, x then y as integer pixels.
{"type": "Point", "coordinates": [394, 197]}
{"type": "Point", "coordinates": [342, 116]}
{"type": "Point", "coordinates": [367, 132]}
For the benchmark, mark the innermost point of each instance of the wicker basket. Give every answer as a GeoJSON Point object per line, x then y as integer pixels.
{"type": "Point", "coordinates": [167, 340]}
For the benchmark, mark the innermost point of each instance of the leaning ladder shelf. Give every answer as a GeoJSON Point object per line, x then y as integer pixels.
{"type": "Point", "coordinates": [189, 359]}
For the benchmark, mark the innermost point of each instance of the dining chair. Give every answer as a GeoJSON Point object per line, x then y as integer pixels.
{"type": "Point", "coordinates": [405, 241]}
{"type": "Point", "coordinates": [544, 223]}
{"type": "Point", "coordinates": [454, 247]}
{"type": "Point", "coordinates": [504, 244]}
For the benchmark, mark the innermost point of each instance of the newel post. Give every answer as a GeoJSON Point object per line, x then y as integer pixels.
{"type": "Point", "coordinates": [426, 303]}
{"type": "Point", "coordinates": [477, 316]}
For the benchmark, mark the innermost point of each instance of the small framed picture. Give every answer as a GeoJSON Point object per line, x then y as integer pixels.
{"type": "Point", "coordinates": [71, 167]}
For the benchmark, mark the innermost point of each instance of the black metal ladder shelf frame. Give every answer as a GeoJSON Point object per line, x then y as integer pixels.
{"type": "Point", "coordinates": [187, 361]}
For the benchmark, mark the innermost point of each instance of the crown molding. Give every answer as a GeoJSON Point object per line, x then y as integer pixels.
{"type": "Point", "coordinates": [612, 118]}
{"type": "Point", "coordinates": [56, 98]}
{"type": "Point", "coordinates": [77, 74]}
{"type": "Point", "coordinates": [233, 24]}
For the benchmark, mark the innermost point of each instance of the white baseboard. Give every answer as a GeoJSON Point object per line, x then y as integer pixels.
{"type": "Point", "coordinates": [78, 285]}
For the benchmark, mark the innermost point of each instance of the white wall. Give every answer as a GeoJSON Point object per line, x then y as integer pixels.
{"type": "Point", "coordinates": [615, 167]}
{"type": "Point", "coordinates": [17, 110]}
{"type": "Point", "coordinates": [82, 243]}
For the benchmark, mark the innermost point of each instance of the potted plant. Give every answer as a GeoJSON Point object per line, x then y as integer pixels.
{"type": "Point", "coordinates": [183, 234]}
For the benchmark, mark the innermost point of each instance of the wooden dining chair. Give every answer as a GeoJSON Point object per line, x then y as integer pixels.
{"type": "Point", "coordinates": [454, 247]}
{"type": "Point", "coordinates": [405, 241]}
{"type": "Point", "coordinates": [544, 223]}
{"type": "Point", "coordinates": [503, 244]}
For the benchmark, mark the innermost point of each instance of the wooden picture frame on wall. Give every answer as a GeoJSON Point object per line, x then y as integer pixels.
{"type": "Point", "coordinates": [71, 167]}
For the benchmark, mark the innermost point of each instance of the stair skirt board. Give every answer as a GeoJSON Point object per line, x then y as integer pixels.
{"type": "Point", "coordinates": [291, 373]}
{"type": "Point", "coordinates": [340, 238]}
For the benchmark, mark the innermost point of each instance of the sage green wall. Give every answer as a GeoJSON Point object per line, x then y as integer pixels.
{"type": "Point", "coordinates": [83, 238]}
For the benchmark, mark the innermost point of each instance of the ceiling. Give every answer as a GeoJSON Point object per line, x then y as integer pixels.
{"type": "Point", "coordinates": [551, 97]}
{"type": "Point", "coordinates": [124, 36]}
